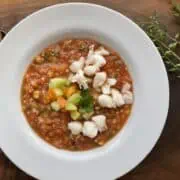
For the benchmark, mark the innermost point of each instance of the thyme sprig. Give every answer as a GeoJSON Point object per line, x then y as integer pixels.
{"type": "Point", "coordinates": [166, 44]}
{"type": "Point", "coordinates": [176, 9]}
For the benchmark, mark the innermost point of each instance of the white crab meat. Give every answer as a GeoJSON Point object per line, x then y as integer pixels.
{"type": "Point", "coordinates": [75, 127]}
{"type": "Point", "coordinates": [77, 65]}
{"type": "Point", "coordinates": [128, 97]}
{"type": "Point", "coordinates": [126, 87]}
{"type": "Point", "coordinates": [80, 79]}
{"type": "Point", "coordinates": [117, 98]}
{"type": "Point", "coordinates": [71, 75]}
{"type": "Point", "coordinates": [90, 129]}
{"type": "Point", "coordinates": [99, 79]}
{"type": "Point", "coordinates": [106, 101]}
{"type": "Point", "coordinates": [96, 60]}
{"type": "Point", "coordinates": [99, 60]}
{"type": "Point", "coordinates": [100, 121]}
{"type": "Point", "coordinates": [101, 51]}
{"type": "Point", "coordinates": [89, 80]}
{"type": "Point", "coordinates": [106, 88]}
{"type": "Point", "coordinates": [90, 70]}
{"type": "Point", "coordinates": [90, 60]}
{"type": "Point", "coordinates": [95, 57]}
{"type": "Point", "coordinates": [111, 81]}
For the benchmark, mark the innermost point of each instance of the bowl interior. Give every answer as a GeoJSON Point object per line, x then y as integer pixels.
{"type": "Point", "coordinates": [44, 42]}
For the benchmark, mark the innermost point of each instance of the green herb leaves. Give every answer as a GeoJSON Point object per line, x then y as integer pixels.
{"type": "Point", "coordinates": [166, 44]}
{"type": "Point", "coordinates": [86, 103]}
{"type": "Point", "coordinates": [175, 8]}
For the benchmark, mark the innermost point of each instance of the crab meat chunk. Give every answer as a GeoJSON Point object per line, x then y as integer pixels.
{"type": "Point", "coordinates": [100, 121]}
{"type": "Point", "coordinates": [90, 129]}
{"type": "Point", "coordinates": [90, 60]}
{"type": "Point", "coordinates": [75, 127]}
{"type": "Point", "coordinates": [80, 79]}
{"type": "Point", "coordinates": [106, 101]}
{"type": "Point", "coordinates": [126, 87]}
{"type": "Point", "coordinates": [101, 51]}
{"type": "Point", "coordinates": [99, 60]}
{"type": "Point", "coordinates": [96, 58]}
{"type": "Point", "coordinates": [111, 81]}
{"type": "Point", "coordinates": [117, 98]}
{"type": "Point", "coordinates": [106, 88]}
{"type": "Point", "coordinates": [99, 79]}
{"type": "Point", "coordinates": [77, 65]}
{"type": "Point", "coordinates": [90, 70]}
{"type": "Point", "coordinates": [128, 97]}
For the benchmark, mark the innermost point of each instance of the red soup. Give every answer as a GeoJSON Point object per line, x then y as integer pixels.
{"type": "Point", "coordinates": [77, 94]}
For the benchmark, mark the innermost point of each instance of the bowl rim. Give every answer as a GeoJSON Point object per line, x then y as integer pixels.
{"type": "Point", "coordinates": [92, 5]}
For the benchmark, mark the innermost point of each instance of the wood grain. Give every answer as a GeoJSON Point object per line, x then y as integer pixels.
{"type": "Point", "coordinates": [164, 161]}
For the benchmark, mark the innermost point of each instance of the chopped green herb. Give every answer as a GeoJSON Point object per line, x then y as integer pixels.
{"type": "Point", "coordinates": [49, 54]}
{"type": "Point", "coordinates": [75, 98]}
{"type": "Point", "coordinates": [83, 47]}
{"type": "Point", "coordinates": [86, 103]}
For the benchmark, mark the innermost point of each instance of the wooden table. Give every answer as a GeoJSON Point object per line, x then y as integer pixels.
{"type": "Point", "coordinates": [163, 163]}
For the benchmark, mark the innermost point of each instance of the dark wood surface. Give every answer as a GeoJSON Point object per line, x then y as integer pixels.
{"type": "Point", "coordinates": [163, 163]}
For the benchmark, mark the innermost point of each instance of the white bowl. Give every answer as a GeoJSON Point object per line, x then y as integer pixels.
{"type": "Point", "coordinates": [137, 138]}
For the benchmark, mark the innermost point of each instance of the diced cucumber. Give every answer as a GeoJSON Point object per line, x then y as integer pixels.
{"type": "Point", "coordinates": [75, 98]}
{"type": "Point", "coordinates": [82, 111]}
{"type": "Point", "coordinates": [75, 115]}
{"type": "Point", "coordinates": [36, 94]}
{"type": "Point", "coordinates": [71, 107]}
{"type": "Point", "coordinates": [58, 92]}
{"type": "Point", "coordinates": [87, 116]}
{"type": "Point", "coordinates": [68, 82]}
{"type": "Point", "coordinates": [55, 106]}
{"type": "Point", "coordinates": [58, 83]}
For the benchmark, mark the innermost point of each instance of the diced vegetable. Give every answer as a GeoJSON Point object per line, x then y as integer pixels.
{"type": "Point", "coordinates": [68, 82]}
{"type": "Point", "coordinates": [86, 102]}
{"type": "Point", "coordinates": [58, 92]}
{"type": "Point", "coordinates": [58, 82]}
{"type": "Point", "coordinates": [81, 110]}
{"type": "Point", "coordinates": [62, 102]}
{"type": "Point", "coordinates": [71, 107]}
{"type": "Point", "coordinates": [75, 98]}
{"type": "Point", "coordinates": [70, 90]}
{"type": "Point", "coordinates": [87, 116]}
{"type": "Point", "coordinates": [75, 115]}
{"type": "Point", "coordinates": [55, 106]}
{"type": "Point", "coordinates": [51, 95]}
{"type": "Point", "coordinates": [36, 94]}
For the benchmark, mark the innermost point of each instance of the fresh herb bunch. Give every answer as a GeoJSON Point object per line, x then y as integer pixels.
{"type": "Point", "coordinates": [166, 44]}
{"type": "Point", "coordinates": [176, 9]}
